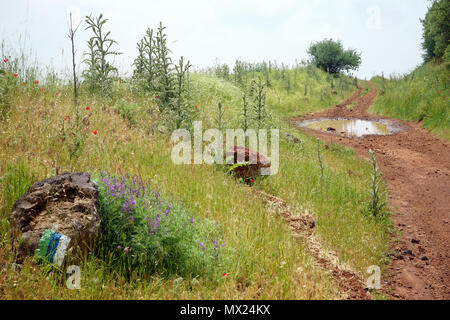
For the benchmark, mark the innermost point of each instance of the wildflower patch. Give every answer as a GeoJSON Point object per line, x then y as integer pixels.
{"type": "Point", "coordinates": [143, 233]}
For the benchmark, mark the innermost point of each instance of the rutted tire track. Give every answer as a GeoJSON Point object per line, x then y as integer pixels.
{"type": "Point", "coordinates": [302, 227]}
{"type": "Point", "coordinates": [416, 167]}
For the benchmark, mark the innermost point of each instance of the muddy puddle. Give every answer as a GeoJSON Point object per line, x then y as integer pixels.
{"type": "Point", "coordinates": [352, 127]}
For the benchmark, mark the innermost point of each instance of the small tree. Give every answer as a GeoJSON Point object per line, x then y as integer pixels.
{"type": "Point", "coordinates": [330, 56]}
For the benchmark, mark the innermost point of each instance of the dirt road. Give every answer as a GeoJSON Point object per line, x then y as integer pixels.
{"type": "Point", "coordinates": [416, 167]}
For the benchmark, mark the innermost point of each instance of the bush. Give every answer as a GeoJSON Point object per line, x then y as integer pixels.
{"type": "Point", "coordinates": [142, 233]}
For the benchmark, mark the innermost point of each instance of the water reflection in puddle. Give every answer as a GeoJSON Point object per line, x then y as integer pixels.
{"type": "Point", "coordinates": [350, 127]}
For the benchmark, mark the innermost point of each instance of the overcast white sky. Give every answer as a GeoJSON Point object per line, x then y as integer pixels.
{"type": "Point", "coordinates": [386, 32]}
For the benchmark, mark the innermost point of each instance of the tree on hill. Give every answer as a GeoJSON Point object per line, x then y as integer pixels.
{"type": "Point", "coordinates": [331, 56]}
{"type": "Point", "coordinates": [436, 30]}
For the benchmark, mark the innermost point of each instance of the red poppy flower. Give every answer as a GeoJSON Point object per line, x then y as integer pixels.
{"type": "Point", "coordinates": [225, 274]}
{"type": "Point", "coordinates": [35, 81]}
{"type": "Point", "coordinates": [66, 117]}
{"type": "Point", "coordinates": [196, 107]}
{"type": "Point", "coordinates": [42, 89]}
{"type": "Point", "coordinates": [94, 132]}
{"type": "Point", "coordinates": [5, 60]}
{"type": "Point", "coordinates": [15, 75]}
{"type": "Point", "coordinates": [251, 180]}
{"type": "Point", "coordinates": [156, 96]}
{"type": "Point", "coordinates": [88, 108]}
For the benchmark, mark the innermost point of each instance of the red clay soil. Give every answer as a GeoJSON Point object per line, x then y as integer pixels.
{"type": "Point", "coordinates": [416, 168]}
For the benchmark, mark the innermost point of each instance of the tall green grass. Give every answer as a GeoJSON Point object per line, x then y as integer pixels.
{"type": "Point", "coordinates": [422, 95]}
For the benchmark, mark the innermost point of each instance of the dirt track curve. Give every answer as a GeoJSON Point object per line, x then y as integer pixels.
{"type": "Point", "coordinates": [416, 167]}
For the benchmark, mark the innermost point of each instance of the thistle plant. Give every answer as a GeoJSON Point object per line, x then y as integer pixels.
{"type": "Point", "coordinates": [183, 114]}
{"type": "Point", "coordinates": [145, 63]}
{"type": "Point", "coordinates": [341, 85]}
{"type": "Point", "coordinates": [73, 134]}
{"type": "Point", "coordinates": [220, 113]}
{"type": "Point", "coordinates": [260, 114]}
{"type": "Point", "coordinates": [245, 111]}
{"type": "Point", "coordinates": [164, 77]}
{"type": "Point", "coordinates": [383, 84]}
{"type": "Point", "coordinates": [100, 72]}
{"type": "Point", "coordinates": [222, 71]}
{"type": "Point", "coordinates": [240, 73]}
{"type": "Point", "coordinates": [319, 159]}
{"type": "Point", "coordinates": [139, 62]}
{"type": "Point", "coordinates": [377, 201]}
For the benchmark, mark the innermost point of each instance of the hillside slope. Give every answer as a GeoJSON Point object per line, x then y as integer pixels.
{"type": "Point", "coordinates": [422, 96]}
